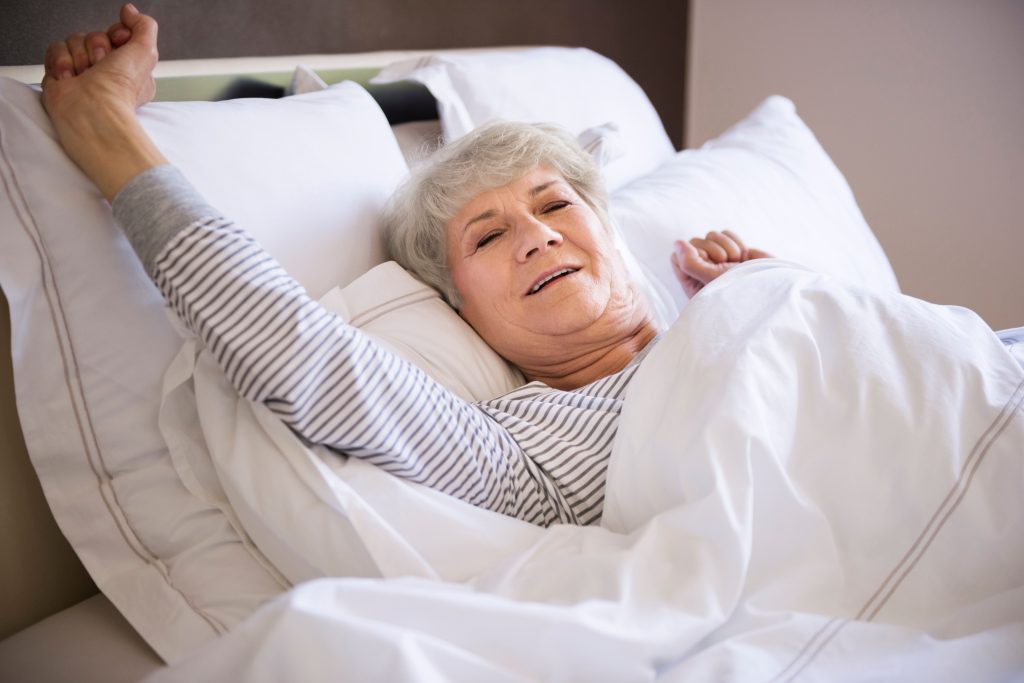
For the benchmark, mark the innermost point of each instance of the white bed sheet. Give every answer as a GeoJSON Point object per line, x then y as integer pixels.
{"type": "Point", "coordinates": [810, 481]}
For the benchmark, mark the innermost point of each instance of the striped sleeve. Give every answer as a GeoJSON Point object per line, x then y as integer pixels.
{"type": "Point", "coordinates": [327, 381]}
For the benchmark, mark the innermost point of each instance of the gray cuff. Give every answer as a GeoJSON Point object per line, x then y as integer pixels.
{"type": "Point", "coordinates": [154, 206]}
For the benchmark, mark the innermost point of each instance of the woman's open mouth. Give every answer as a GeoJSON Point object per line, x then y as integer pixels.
{"type": "Point", "coordinates": [549, 278]}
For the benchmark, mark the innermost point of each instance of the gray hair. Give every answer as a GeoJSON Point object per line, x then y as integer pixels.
{"type": "Point", "coordinates": [492, 156]}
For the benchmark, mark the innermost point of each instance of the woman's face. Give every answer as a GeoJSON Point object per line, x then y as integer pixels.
{"type": "Point", "coordinates": [535, 267]}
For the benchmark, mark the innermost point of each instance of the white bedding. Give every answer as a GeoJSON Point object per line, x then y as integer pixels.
{"type": "Point", "coordinates": [810, 481]}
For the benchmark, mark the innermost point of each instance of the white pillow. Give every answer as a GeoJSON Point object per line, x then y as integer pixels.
{"type": "Point", "coordinates": [768, 179]}
{"type": "Point", "coordinates": [307, 177]}
{"type": "Point", "coordinates": [417, 139]}
{"type": "Point", "coordinates": [572, 87]}
{"type": "Point", "coordinates": [412, 320]}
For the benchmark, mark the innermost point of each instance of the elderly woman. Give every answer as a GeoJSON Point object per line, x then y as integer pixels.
{"type": "Point", "coordinates": [508, 223]}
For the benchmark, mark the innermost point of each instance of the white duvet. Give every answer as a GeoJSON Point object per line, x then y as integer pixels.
{"type": "Point", "coordinates": [811, 482]}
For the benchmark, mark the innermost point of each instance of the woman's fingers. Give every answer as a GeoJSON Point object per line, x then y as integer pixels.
{"type": "Point", "coordinates": [118, 34]}
{"type": "Point", "coordinates": [692, 263]}
{"type": "Point", "coordinates": [715, 252]}
{"type": "Point", "coordinates": [726, 247]}
{"type": "Point", "coordinates": [58, 62]}
{"type": "Point", "coordinates": [739, 244]}
{"type": "Point", "coordinates": [75, 54]}
{"type": "Point", "coordinates": [733, 251]}
{"type": "Point", "coordinates": [98, 46]}
{"type": "Point", "coordinates": [79, 56]}
{"type": "Point", "coordinates": [702, 259]}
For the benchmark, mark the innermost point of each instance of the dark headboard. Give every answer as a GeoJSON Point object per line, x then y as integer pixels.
{"type": "Point", "coordinates": [646, 37]}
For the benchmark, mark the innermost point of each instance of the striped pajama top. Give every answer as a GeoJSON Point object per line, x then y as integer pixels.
{"type": "Point", "coordinates": [537, 453]}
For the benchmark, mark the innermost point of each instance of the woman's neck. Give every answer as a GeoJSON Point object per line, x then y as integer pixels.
{"type": "Point", "coordinates": [594, 361]}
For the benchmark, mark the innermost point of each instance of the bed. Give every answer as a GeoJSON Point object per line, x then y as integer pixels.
{"type": "Point", "coordinates": [225, 547]}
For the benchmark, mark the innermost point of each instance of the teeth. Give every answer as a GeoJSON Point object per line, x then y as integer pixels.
{"type": "Point", "coordinates": [549, 278]}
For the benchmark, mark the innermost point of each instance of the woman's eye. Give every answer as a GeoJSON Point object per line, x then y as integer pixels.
{"type": "Point", "coordinates": [555, 206]}
{"type": "Point", "coordinates": [488, 238]}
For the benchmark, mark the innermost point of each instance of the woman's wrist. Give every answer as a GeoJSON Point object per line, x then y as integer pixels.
{"type": "Point", "coordinates": [109, 144]}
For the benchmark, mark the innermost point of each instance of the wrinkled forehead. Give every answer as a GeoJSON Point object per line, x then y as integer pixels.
{"type": "Point", "coordinates": [525, 186]}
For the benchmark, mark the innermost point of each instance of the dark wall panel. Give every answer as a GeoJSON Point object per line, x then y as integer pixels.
{"type": "Point", "coordinates": [646, 37]}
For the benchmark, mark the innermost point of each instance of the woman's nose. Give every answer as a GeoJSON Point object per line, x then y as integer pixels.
{"type": "Point", "coordinates": [536, 238]}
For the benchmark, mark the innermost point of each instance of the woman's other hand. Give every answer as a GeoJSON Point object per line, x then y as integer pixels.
{"type": "Point", "coordinates": [702, 259]}
{"type": "Point", "coordinates": [92, 86]}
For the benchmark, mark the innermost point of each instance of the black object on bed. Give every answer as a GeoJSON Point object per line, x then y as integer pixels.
{"type": "Point", "coordinates": [402, 102]}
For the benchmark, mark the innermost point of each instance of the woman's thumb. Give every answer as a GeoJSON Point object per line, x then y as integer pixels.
{"type": "Point", "coordinates": [691, 263]}
{"type": "Point", "coordinates": [142, 26]}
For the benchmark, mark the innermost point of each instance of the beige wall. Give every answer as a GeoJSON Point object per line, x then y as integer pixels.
{"type": "Point", "coordinates": [921, 105]}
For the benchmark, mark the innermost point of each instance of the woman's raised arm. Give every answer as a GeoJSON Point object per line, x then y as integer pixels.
{"type": "Point", "coordinates": [92, 86]}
